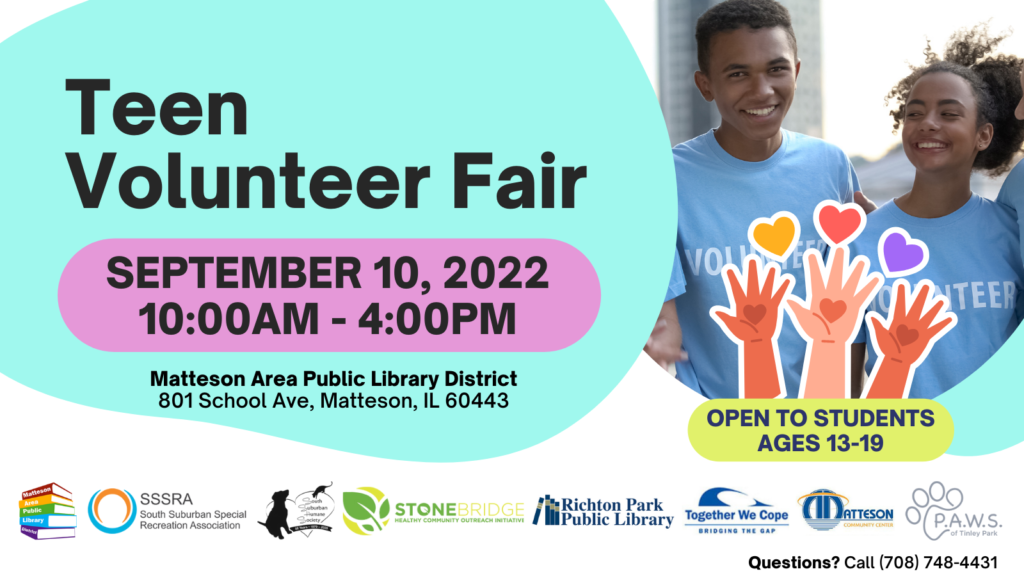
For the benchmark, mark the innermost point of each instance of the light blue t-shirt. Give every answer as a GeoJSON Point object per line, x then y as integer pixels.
{"type": "Point", "coordinates": [719, 197]}
{"type": "Point", "coordinates": [975, 261]}
{"type": "Point", "coordinates": [1012, 194]}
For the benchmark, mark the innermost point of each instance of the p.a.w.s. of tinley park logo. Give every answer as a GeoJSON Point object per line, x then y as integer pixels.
{"type": "Point", "coordinates": [589, 512]}
{"type": "Point", "coordinates": [305, 513]}
{"type": "Point", "coordinates": [937, 510]}
{"type": "Point", "coordinates": [824, 509]}
{"type": "Point", "coordinates": [728, 511]}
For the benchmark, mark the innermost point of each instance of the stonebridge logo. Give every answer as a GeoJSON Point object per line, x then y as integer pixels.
{"type": "Point", "coordinates": [367, 511]}
{"type": "Point", "coordinates": [111, 526]}
{"type": "Point", "coordinates": [588, 512]}
{"type": "Point", "coordinates": [824, 509]}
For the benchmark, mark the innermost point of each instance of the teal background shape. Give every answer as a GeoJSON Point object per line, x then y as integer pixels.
{"type": "Point", "coordinates": [352, 84]}
{"type": "Point", "coordinates": [986, 406]}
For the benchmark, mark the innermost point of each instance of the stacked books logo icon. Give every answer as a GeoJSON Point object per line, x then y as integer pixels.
{"type": "Point", "coordinates": [551, 511]}
{"type": "Point", "coordinates": [47, 512]}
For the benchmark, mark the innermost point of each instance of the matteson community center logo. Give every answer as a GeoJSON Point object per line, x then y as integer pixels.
{"type": "Point", "coordinates": [588, 512]}
{"type": "Point", "coordinates": [824, 509]}
{"type": "Point", "coordinates": [728, 511]}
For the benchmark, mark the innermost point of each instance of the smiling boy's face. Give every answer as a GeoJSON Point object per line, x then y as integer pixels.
{"type": "Point", "coordinates": [751, 77]}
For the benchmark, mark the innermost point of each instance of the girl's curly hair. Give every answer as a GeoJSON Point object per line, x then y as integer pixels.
{"type": "Point", "coordinates": [995, 82]}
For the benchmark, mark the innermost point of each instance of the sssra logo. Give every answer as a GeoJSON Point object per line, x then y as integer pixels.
{"type": "Point", "coordinates": [102, 506]}
{"type": "Point", "coordinates": [938, 511]}
{"type": "Point", "coordinates": [728, 511]}
{"type": "Point", "coordinates": [164, 498]}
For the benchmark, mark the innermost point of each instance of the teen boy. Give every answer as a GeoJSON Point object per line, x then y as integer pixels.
{"type": "Point", "coordinates": [745, 169]}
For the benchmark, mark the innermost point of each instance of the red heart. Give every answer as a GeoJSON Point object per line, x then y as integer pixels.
{"type": "Point", "coordinates": [906, 335]}
{"type": "Point", "coordinates": [837, 224]}
{"type": "Point", "coordinates": [833, 310]}
{"type": "Point", "coordinates": [754, 313]}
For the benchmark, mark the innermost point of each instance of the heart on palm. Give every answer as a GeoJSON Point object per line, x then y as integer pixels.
{"type": "Point", "coordinates": [754, 313]}
{"type": "Point", "coordinates": [906, 335]}
{"type": "Point", "coordinates": [832, 311]}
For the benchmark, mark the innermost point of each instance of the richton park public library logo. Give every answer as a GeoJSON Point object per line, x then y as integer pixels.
{"type": "Point", "coordinates": [577, 512]}
{"type": "Point", "coordinates": [824, 509]}
{"type": "Point", "coordinates": [728, 511]}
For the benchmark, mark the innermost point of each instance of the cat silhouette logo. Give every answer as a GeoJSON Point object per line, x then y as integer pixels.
{"type": "Point", "coordinates": [367, 511]}
{"type": "Point", "coordinates": [307, 512]}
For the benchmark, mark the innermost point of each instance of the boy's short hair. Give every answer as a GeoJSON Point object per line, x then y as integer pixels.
{"type": "Point", "coordinates": [735, 14]}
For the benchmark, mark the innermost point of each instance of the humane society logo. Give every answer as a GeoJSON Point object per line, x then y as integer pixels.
{"type": "Point", "coordinates": [824, 509]}
{"type": "Point", "coordinates": [938, 512]}
{"type": "Point", "coordinates": [111, 526]}
{"type": "Point", "coordinates": [728, 511]}
{"type": "Point", "coordinates": [576, 512]}
{"type": "Point", "coordinates": [304, 514]}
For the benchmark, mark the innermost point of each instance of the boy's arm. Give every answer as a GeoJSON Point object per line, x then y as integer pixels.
{"type": "Point", "coordinates": [665, 345]}
{"type": "Point", "coordinates": [858, 351]}
{"type": "Point", "coordinates": [852, 192]}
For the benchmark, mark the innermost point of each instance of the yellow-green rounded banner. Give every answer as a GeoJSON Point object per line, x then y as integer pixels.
{"type": "Point", "coordinates": [821, 430]}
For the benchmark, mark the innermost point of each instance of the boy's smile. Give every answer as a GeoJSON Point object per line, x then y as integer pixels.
{"type": "Point", "coordinates": [752, 79]}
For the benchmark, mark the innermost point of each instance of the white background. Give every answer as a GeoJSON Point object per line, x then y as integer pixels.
{"type": "Point", "coordinates": [633, 445]}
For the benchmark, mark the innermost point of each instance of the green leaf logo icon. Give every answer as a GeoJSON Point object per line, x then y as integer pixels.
{"type": "Point", "coordinates": [366, 510]}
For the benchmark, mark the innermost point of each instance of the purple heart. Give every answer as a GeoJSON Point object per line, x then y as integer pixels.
{"type": "Point", "coordinates": [900, 256]}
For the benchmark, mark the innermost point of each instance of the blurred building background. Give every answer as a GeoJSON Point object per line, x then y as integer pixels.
{"type": "Point", "coordinates": [686, 113]}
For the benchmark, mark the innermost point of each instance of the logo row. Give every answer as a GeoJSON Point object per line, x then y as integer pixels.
{"type": "Point", "coordinates": [48, 512]}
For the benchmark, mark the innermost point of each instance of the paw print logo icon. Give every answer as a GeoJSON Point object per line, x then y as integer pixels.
{"type": "Point", "coordinates": [930, 506]}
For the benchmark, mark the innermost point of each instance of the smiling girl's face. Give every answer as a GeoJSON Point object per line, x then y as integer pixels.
{"type": "Point", "coordinates": [940, 127]}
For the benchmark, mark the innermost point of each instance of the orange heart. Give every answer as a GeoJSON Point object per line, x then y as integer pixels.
{"type": "Point", "coordinates": [775, 238]}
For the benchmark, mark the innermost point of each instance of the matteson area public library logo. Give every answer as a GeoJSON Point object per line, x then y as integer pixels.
{"type": "Point", "coordinates": [588, 512]}
{"type": "Point", "coordinates": [728, 511]}
{"type": "Point", "coordinates": [824, 509]}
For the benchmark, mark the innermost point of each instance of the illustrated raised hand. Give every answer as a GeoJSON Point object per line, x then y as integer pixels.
{"type": "Point", "coordinates": [830, 318]}
{"type": "Point", "coordinates": [753, 321]}
{"type": "Point", "coordinates": [904, 340]}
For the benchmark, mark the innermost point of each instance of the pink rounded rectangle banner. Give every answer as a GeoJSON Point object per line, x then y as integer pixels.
{"type": "Point", "coordinates": [329, 295]}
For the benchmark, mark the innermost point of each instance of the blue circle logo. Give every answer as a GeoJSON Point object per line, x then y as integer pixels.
{"type": "Point", "coordinates": [94, 510]}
